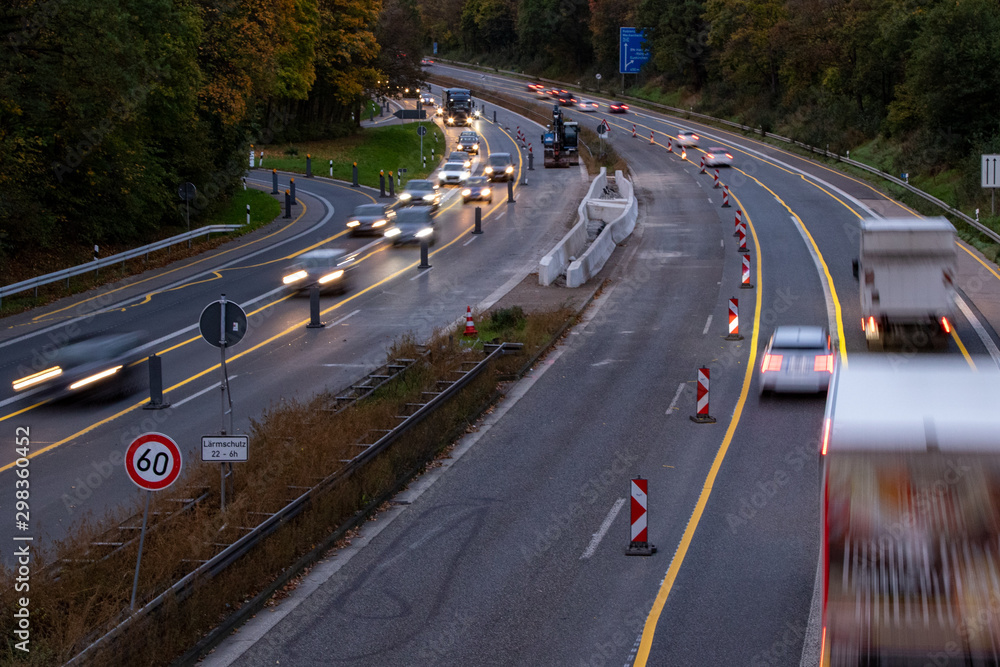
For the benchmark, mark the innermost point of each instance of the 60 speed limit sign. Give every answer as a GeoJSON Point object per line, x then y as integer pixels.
{"type": "Point", "coordinates": [153, 461]}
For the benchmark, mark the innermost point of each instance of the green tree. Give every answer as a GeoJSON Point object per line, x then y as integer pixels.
{"type": "Point", "coordinates": [555, 31]}
{"type": "Point", "coordinates": [607, 17]}
{"type": "Point", "coordinates": [747, 35]}
{"type": "Point", "coordinates": [677, 38]}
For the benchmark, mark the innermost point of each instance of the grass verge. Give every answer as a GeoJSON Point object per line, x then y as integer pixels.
{"type": "Point", "coordinates": [263, 209]}
{"type": "Point", "coordinates": [294, 444]}
{"type": "Point", "coordinates": [374, 149]}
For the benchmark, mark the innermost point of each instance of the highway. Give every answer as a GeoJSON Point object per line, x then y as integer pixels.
{"type": "Point", "coordinates": [515, 554]}
{"type": "Point", "coordinates": [77, 448]}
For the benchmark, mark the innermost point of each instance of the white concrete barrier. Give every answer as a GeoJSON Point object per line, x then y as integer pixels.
{"type": "Point", "coordinates": [615, 231]}
{"type": "Point", "coordinates": [574, 242]}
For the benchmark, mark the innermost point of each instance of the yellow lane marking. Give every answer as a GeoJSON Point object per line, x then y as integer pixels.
{"type": "Point", "coordinates": [653, 619]}
{"type": "Point", "coordinates": [168, 272]}
{"type": "Point", "coordinates": [965, 353]}
{"type": "Point", "coordinates": [975, 257]}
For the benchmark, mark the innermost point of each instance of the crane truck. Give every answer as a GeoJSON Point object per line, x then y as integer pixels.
{"type": "Point", "coordinates": [906, 269]}
{"type": "Point", "coordinates": [910, 513]}
{"type": "Point", "coordinates": [560, 142]}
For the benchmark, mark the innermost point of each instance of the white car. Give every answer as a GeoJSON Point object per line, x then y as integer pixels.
{"type": "Point", "coordinates": [327, 268]}
{"type": "Point", "coordinates": [687, 138]}
{"type": "Point", "coordinates": [588, 105]}
{"type": "Point", "coordinates": [716, 156]}
{"type": "Point", "coordinates": [453, 173]}
{"type": "Point", "coordinates": [797, 359]}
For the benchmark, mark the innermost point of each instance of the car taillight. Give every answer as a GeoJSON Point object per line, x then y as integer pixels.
{"type": "Point", "coordinates": [826, 436]}
{"type": "Point", "coordinates": [823, 362]}
{"type": "Point", "coordinates": [772, 362]}
{"type": "Point", "coordinates": [945, 325]}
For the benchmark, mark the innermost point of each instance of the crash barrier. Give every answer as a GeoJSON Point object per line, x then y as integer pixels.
{"type": "Point", "coordinates": [111, 260]}
{"type": "Point", "coordinates": [687, 113]}
{"type": "Point", "coordinates": [574, 242]}
{"type": "Point", "coordinates": [620, 216]}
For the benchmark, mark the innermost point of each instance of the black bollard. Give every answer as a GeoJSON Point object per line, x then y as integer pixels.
{"type": "Point", "coordinates": [479, 221]}
{"type": "Point", "coordinates": [288, 204]}
{"type": "Point", "coordinates": [423, 254]}
{"type": "Point", "coordinates": [274, 182]}
{"type": "Point", "coordinates": [354, 175]}
{"type": "Point", "coordinates": [510, 191]}
{"type": "Point", "coordinates": [314, 322]}
{"type": "Point", "coordinates": [309, 166]}
{"type": "Point", "coordinates": [291, 185]}
{"type": "Point", "coordinates": [531, 161]}
{"type": "Point", "coordinates": [494, 116]}
{"type": "Point", "coordinates": [381, 184]}
{"type": "Point", "coordinates": [392, 186]}
{"type": "Point", "coordinates": [156, 401]}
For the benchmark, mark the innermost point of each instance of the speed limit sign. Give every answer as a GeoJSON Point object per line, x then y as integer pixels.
{"type": "Point", "coordinates": [153, 461]}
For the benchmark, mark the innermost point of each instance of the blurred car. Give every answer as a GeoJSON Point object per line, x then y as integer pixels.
{"type": "Point", "coordinates": [426, 99]}
{"type": "Point", "coordinates": [426, 61]}
{"type": "Point", "coordinates": [716, 156]}
{"type": "Point", "coordinates": [460, 156]}
{"type": "Point", "coordinates": [412, 225]}
{"type": "Point", "coordinates": [370, 219]}
{"type": "Point", "coordinates": [468, 142]}
{"type": "Point", "coordinates": [618, 107]}
{"type": "Point", "coordinates": [554, 92]}
{"type": "Point", "coordinates": [687, 138]}
{"type": "Point", "coordinates": [453, 173]}
{"type": "Point", "coordinates": [478, 188]}
{"type": "Point", "coordinates": [567, 99]}
{"type": "Point", "coordinates": [499, 167]}
{"type": "Point", "coordinates": [533, 87]}
{"type": "Point", "coordinates": [101, 367]}
{"type": "Point", "coordinates": [419, 192]}
{"type": "Point", "coordinates": [797, 359]}
{"type": "Point", "coordinates": [588, 105]}
{"type": "Point", "coordinates": [326, 268]}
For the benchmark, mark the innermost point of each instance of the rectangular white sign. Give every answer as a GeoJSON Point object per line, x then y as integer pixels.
{"type": "Point", "coordinates": [222, 448]}
{"type": "Point", "coordinates": [991, 171]}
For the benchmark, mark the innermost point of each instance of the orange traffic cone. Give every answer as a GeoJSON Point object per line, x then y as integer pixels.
{"type": "Point", "coordinates": [470, 327]}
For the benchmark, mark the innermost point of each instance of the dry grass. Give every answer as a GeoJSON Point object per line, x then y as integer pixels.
{"type": "Point", "coordinates": [295, 445]}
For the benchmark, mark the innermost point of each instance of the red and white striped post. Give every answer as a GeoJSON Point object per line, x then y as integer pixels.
{"type": "Point", "coordinates": [745, 283]}
{"type": "Point", "coordinates": [743, 239]}
{"type": "Point", "coordinates": [651, 137]}
{"type": "Point", "coordinates": [633, 130]}
{"type": "Point", "coordinates": [638, 544]}
{"type": "Point", "coordinates": [739, 222]}
{"type": "Point", "coordinates": [734, 320]}
{"type": "Point", "coordinates": [701, 415]}
{"type": "Point", "coordinates": [684, 153]}
{"type": "Point", "coordinates": [670, 144]}
{"type": "Point", "coordinates": [725, 196]}
{"type": "Point", "coordinates": [716, 179]}
{"type": "Point", "coordinates": [701, 169]}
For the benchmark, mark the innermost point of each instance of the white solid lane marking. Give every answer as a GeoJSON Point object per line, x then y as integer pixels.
{"type": "Point", "coordinates": [423, 272]}
{"type": "Point", "coordinates": [602, 531]}
{"type": "Point", "coordinates": [673, 403]}
{"type": "Point", "coordinates": [200, 393]}
{"type": "Point", "coordinates": [469, 241]}
{"type": "Point", "coordinates": [708, 323]}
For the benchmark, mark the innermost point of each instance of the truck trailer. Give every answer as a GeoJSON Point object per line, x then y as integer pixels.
{"type": "Point", "coordinates": [906, 268]}
{"type": "Point", "coordinates": [910, 550]}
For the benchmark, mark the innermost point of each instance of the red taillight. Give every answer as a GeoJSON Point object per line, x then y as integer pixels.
{"type": "Point", "coordinates": [826, 435]}
{"type": "Point", "coordinates": [772, 362]}
{"type": "Point", "coordinates": [823, 362]}
{"type": "Point", "coordinates": [945, 325]}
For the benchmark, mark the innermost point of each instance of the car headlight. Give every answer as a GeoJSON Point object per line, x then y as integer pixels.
{"type": "Point", "coordinates": [476, 113]}
{"type": "Point", "coordinates": [488, 170]}
{"type": "Point", "coordinates": [95, 377]}
{"type": "Point", "coordinates": [451, 120]}
{"type": "Point", "coordinates": [379, 223]}
{"type": "Point", "coordinates": [466, 192]}
{"type": "Point", "coordinates": [406, 196]}
{"type": "Point", "coordinates": [394, 231]}
{"type": "Point", "coordinates": [426, 231]}
{"type": "Point", "coordinates": [509, 169]}
{"type": "Point", "coordinates": [429, 197]}
{"type": "Point", "coordinates": [331, 276]}
{"type": "Point", "coordinates": [485, 191]}
{"type": "Point", "coordinates": [294, 277]}
{"type": "Point", "coordinates": [475, 146]}
{"type": "Point", "coordinates": [353, 223]}
{"type": "Point", "coordinates": [40, 376]}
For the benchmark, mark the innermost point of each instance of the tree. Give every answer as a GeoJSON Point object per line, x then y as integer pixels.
{"type": "Point", "coordinates": [747, 36]}
{"type": "Point", "coordinates": [677, 38]}
{"type": "Point", "coordinates": [607, 17]}
{"type": "Point", "coordinates": [555, 31]}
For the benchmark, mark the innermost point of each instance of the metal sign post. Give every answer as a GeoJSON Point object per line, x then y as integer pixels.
{"type": "Point", "coordinates": [421, 130]}
{"type": "Point", "coordinates": [223, 323]}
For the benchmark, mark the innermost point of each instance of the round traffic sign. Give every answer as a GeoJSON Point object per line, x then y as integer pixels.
{"type": "Point", "coordinates": [421, 130]}
{"type": "Point", "coordinates": [153, 461]}
{"type": "Point", "coordinates": [216, 327]}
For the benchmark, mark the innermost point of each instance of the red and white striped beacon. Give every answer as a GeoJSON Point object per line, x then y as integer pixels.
{"type": "Point", "coordinates": [639, 543]}
{"type": "Point", "coordinates": [701, 415]}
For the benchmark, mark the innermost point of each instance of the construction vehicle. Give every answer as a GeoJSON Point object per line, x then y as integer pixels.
{"type": "Point", "coordinates": [906, 269]}
{"type": "Point", "coordinates": [560, 142]}
{"type": "Point", "coordinates": [910, 513]}
{"type": "Point", "coordinates": [458, 106]}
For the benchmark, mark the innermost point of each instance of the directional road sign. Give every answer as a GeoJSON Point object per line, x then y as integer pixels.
{"type": "Point", "coordinates": [153, 461]}
{"type": "Point", "coordinates": [631, 55]}
{"type": "Point", "coordinates": [222, 448]}
{"type": "Point", "coordinates": [410, 113]}
{"type": "Point", "coordinates": [234, 325]}
{"type": "Point", "coordinates": [991, 171]}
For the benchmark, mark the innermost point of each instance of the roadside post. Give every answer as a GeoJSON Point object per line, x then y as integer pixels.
{"type": "Point", "coordinates": [639, 537]}
{"type": "Point", "coordinates": [424, 263]}
{"type": "Point", "coordinates": [314, 322]}
{"type": "Point", "coordinates": [156, 401]}
{"type": "Point", "coordinates": [381, 184]}
{"type": "Point", "coordinates": [291, 187]}
{"type": "Point", "coordinates": [392, 186]}
{"type": "Point", "coordinates": [274, 182]}
{"type": "Point", "coordinates": [421, 130]}
{"type": "Point", "coordinates": [288, 204]}
{"type": "Point", "coordinates": [309, 166]}
{"type": "Point", "coordinates": [479, 221]}
{"type": "Point", "coordinates": [223, 324]}
{"type": "Point", "coordinates": [354, 173]}
{"type": "Point", "coordinates": [510, 192]}
{"type": "Point", "coordinates": [153, 462]}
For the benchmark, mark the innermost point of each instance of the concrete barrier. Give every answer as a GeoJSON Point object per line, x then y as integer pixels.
{"type": "Point", "coordinates": [616, 230]}
{"type": "Point", "coordinates": [574, 242]}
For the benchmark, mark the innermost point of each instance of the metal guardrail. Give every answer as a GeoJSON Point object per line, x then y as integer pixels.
{"type": "Point", "coordinates": [209, 569]}
{"type": "Point", "coordinates": [35, 283]}
{"type": "Point", "coordinates": [983, 229]}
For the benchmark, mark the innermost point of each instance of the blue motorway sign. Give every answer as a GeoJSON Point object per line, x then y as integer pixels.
{"type": "Point", "coordinates": [631, 54]}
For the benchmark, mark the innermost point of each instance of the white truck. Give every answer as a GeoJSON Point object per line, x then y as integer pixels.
{"type": "Point", "coordinates": [910, 502]}
{"type": "Point", "coordinates": [906, 268]}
